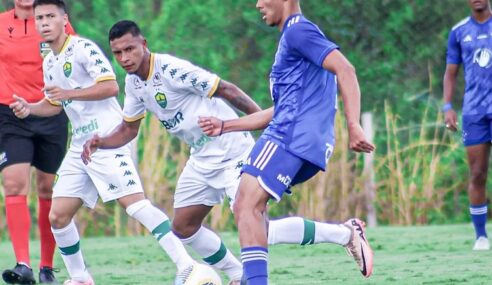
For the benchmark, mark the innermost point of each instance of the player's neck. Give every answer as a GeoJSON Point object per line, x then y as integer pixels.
{"type": "Point", "coordinates": [482, 16]}
{"type": "Point", "coordinates": [289, 11]}
{"type": "Point", "coordinates": [144, 69]}
{"type": "Point", "coordinates": [24, 13]}
{"type": "Point", "coordinates": [57, 45]}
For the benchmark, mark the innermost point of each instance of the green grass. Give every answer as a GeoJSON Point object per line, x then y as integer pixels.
{"type": "Point", "coordinates": [403, 255]}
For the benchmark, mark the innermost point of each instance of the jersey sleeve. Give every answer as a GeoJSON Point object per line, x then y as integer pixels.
{"type": "Point", "coordinates": [184, 77]}
{"type": "Point", "coordinates": [95, 62]}
{"type": "Point", "coordinates": [453, 54]}
{"type": "Point", "coordinates": [133, 108]}
{"type": "Point", "coordinates": [45, 83]}
{"type": "Point", "coordinates": [310, 42]}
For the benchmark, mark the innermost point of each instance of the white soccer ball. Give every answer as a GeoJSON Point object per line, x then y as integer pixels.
{"type": "Point", "coordinates": [203, 275]}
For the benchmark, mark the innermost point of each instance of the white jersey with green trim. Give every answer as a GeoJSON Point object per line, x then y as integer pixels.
{"type": "Point", "coordinates": [81, 64]}
{"type": "Point", "coordinates": [177, 93]}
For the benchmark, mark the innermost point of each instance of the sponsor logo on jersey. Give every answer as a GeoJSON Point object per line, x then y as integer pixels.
{"type": "Point", "coordinates": [200, 142]}
{"type": "Point", "coordinates": [65, 103]}
{"type": "Point", "coordinates": [3, 157]}
{"type": "Point", "coordinates": [161, 99]}
{"type": "Point", "coordinates": [67, 69]}
{"type": "Point", "coordinates": [173, 122]}
{"type": "Point", "coordinates": [86, 129]}
{"type": "Point", "coordinates": [44, 49]}
{"type": "Point", "coordinates": [284, 179]}
{"type": "Point", "coordinates": [483, 57]}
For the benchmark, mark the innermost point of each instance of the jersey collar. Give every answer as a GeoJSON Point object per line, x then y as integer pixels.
{"type": "Point", "coordinates": [151, 68]}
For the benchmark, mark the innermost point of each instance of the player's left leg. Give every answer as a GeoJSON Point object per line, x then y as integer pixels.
{"type": "Point", "coordinates": [187, 224]}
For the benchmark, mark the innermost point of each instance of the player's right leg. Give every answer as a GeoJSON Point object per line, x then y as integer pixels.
{"type": "Point", "coordinates": [16, 152]}
{"type": "Point", "coordinates": [478, 156]}
{"type": "Point", "coordinates": [477, 135]}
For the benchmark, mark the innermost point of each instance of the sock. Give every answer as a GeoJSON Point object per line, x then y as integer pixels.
{"type": "Point", "coordinates": [479, 219]}
{"type": "Point", "coordinates": [297, 230]}
{"type": "Point", "coordinates": [209, 246]}
{"type": "Point", "coordinates": [255, 265]}
{"type": "Point", "coordinates": [19, 225]}
{"type": "Point", "coordinates": [158, 224]}
{"type": "Point", "coordinates": [46, 236]}
{"type": "Point", "coordinates": [68, 242]}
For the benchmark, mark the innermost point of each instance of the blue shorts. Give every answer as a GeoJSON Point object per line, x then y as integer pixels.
{"type": "Point", "coordinates": [277, 169]}
{"type": "Point", "coordinates": [477, 129]}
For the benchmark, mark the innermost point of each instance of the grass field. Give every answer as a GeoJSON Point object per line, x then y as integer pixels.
{"type": "Point", "coordinates": [403, 255]}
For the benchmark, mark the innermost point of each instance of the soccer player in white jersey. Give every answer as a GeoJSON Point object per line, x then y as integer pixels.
{"type": "Point", "coordinates": [178, 92]}
{"type": "Point", "coordinates": [79, 79]}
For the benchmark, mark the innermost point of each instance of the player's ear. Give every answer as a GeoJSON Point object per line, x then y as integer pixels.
{"type": "Point", "coordinates": [65, 19]}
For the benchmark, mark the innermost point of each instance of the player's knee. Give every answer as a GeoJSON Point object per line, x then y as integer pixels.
{"type": "Point", "coordinates": [184, 229]}
{"type": "Point", "coordinates": [478, 177]}
{"type": "Point", "coordinates": [58, 220]}
{"type": "Point", "coordinates": [45, 189]}
{"type": "Point", "coordinates": [14, 187]}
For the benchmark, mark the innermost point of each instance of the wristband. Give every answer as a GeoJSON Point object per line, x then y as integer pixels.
{"type": "Point", "coordinates": [446, 107]}
{"type": "Point", "coordinates": [221, 127]}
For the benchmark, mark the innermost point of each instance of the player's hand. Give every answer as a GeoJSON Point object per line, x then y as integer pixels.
{"type": "Point", "coordinates": [358, 141]}
{"type": "Point", "coordinates": [451, 121]}
{"type": "Point", "coordinates": [211, 126]}
{"type": "Point", "coordinates": [55, 93]}
{"type": "Point", "coordinates": [90, 147]}
{"type": "Point", "coordinates": [20, 107]}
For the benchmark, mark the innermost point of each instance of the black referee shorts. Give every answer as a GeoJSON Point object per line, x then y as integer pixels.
{"type": "Point", "coordinates": [42, 142]}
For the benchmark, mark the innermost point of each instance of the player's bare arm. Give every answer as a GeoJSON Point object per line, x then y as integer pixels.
{"type": "Point", "coordinates": [123, 134]}
{"type": "Point", "coordinates": [98, 91]}
{"type": "Point", "coordinates": [349, 88]}
{"type": "Point", "coordinates": [236, 97]}
{"type": "Point", "coordinates": [43, 108]}
{"type": "Point", "coordinates": [449, 83]}
{"type": "Point", "coordinates": [212, 126]}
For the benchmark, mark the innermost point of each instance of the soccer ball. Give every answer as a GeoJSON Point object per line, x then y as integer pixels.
{"type": "Point", "coordinates": [202, 275]}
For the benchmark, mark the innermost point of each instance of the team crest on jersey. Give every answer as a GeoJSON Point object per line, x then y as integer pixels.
{"type": "Point", "coordinates": [44, 49]}
{"type": "Point", "coordinates": [67, 69]}
{"type": "Point", "coordinates": [161, 99]}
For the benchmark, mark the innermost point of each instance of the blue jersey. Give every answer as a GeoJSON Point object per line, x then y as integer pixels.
{"type": "Point", "coordinates": [304, 94]}
{"type": "Point", "coordinates": [470, 44]}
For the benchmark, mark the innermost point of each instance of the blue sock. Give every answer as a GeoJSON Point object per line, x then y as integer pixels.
{"type": "Point", "coordinates": [479, 218]}
{"type": "Point", "coordinates": [255, 265]}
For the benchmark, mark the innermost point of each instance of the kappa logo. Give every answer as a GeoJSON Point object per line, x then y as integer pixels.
{"type": "Point", "coordinates": [123, 164]}
{"type": "Point", "coordinates": [67, 69]}
{"type": "Point", "coordinates": [112, 187]}
{"type": "Point", "coordinates": [204, 85]}
{"type": "Point", "coordinates": [127, 172]}
{"type": "Point", "coordinates": [164, 67]}
{"type": "Point", "coordinates": [131, 183]}
{"type": "Point", "coordinates": [183, 77]}
{"type": "Point", "coordinates": [161, 99]}
{"type": "Point", "coordinates": [3, 158]}
{"type": "Point", "coordinates": [93, 52]}
{"type": "Point", "coordinates": [118, 155]}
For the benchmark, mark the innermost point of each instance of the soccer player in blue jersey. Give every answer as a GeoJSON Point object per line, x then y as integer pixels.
{"type": "Point", "coordinates": [470, 44]}
{"type": "Point", "coordinates": [299, 138]}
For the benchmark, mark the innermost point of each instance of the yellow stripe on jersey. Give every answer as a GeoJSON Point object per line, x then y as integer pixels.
{"type": "Point", "coordinates": [133, 119]}
{"type": "Point", "coordinates": [214, 88]}
{"type": "Point", "coordinates": [151, 69]}
{"type": "Point", "coordinates": [54, 103]}
{"type": "Point", "coordinates": [65, 44]}
{"type": "Point", "coordinates": [105, 78]}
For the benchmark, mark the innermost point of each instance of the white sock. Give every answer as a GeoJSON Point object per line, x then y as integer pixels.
{"type": "Point", "coordinates": [156, 222]}
{"type": "Point", "coordinates": [209, 246]}
{"type": "Point", "coordinates": [68, 240]}
{"type": "Point", "coordinates": [297, 230]}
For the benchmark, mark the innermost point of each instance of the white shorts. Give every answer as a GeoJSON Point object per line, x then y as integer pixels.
{"type": "Point", "coordinates": [111, 174]}
{"type": "Point", "coordinates": [201, 186]}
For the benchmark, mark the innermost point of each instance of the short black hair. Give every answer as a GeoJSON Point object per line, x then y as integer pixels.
{"type": "Point", "coordinates": [58, 3]}
{"type": "Point", "coordinates": [122, 28]}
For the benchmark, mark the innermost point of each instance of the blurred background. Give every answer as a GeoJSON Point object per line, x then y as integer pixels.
{"type": "Point", "coordinates": [418, 174]}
